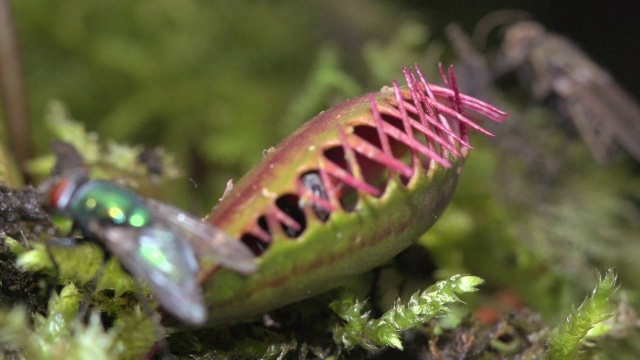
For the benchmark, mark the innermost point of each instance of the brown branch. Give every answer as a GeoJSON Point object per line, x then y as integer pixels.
{"type": "Point", "coordinates": [12, 86]}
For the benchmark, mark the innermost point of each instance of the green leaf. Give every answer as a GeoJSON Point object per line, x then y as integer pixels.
{"type": "Point", "coordinates": [13, 245]}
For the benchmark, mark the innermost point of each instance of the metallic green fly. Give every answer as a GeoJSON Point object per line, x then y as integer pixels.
{"type": "Point", "coordinates": [153, 241]}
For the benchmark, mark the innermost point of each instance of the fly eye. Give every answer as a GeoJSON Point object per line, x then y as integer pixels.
{"type": "Point", "coordinates": [60, 193]}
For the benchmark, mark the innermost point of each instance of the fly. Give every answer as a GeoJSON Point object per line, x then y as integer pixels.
{"type": "Point", "coordinates": [155, 242]}
{"type": "Point", "coordinates": [313, 183]}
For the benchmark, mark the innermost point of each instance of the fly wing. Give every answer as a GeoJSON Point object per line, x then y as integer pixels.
{"type": "Point", "coordinates": [208, 241]}
{"type": "Point", "coordinates": [155, 255]}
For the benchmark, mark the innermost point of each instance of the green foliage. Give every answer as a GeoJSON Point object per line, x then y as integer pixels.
{"type": "Point", "coordinates": [411, 43]}
{"type": "Point", "coordinates": [567, 339]}
{"type": "Point", "coordinates": [330, 82]}
{"type": "Point", "coordinates": [421, 307]}
{"type": "Point", "coordinates": [58, 335]}
{"type": "Point", "coordinates": [190, 75]}
{"type": "Point", "coordinates": [79, 263]}
{"type": "Point", "coordinates": [64, 128]}
{"type": "Point", "coordinates": [9, 173]}
{"type": "Point", "coordinates": [14, 245]}
{"type": "Point", "coordinates": [110, 160]}
{"type": "Point", "coordinates": [576, 236]}
{"type": "Point", "coordinates": [327, 81]}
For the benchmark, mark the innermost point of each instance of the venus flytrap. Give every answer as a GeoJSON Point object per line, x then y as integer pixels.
{"type": "Point", "coordinates": [347, 191]}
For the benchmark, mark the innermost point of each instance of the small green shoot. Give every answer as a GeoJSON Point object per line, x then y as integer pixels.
{"type": "Point", "coordinates": [421, 307]}
{"type": "Point", "coordinates": [567, 339]}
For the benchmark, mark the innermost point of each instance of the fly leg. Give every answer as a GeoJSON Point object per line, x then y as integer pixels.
{"type": "Point", "coordinates": [63, 243]}
{"type": "Point", "coordinates": [92, 285]}
{"type": "Point", "coordinates": [66, 242]}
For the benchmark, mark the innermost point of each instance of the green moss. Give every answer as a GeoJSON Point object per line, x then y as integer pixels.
{"type": "Point", "coordinates": [569, 338]}
{"type": "Point", "coordinates": [384, 331]}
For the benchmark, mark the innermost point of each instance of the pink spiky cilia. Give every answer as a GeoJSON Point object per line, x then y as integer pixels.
{"type": "Point", "coordinates": [347, 191]}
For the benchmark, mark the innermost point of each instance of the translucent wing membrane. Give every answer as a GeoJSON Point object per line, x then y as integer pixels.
{"type": "Point", "coordinates": [167, 264]}
{"type": "Point", "coordinates": [208, 241]}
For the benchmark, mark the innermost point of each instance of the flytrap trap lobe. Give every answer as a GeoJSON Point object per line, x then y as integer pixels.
{"type": "Point", "coordinates": [345, 192]}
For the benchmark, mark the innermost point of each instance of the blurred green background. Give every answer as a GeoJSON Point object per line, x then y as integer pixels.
{"type": "Point", "coordinates": [218, 82]}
